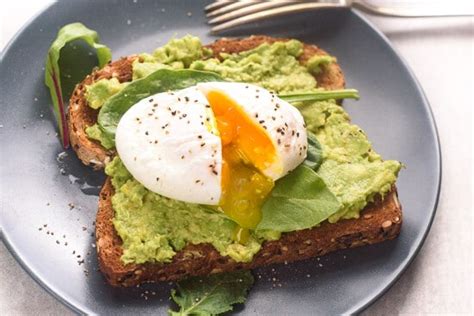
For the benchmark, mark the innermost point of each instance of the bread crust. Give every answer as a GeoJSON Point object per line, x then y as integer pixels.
{"type": "Point", "coordinates": [380, 220]}
{"type": "Point", "coordinates": [80, 115]}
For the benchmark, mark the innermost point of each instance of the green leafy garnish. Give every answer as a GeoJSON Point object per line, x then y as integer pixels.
{"type": "Point", "coordinates": [211, 295]}
{"type": "Point", "coordinates": [298, 201]}
{"type": "Point", "coordinates": [159, 81]}
{"type": "Point", "coordinates": [320, 95]}
{"type": "Point", "coordinates": [72, 56]}
{"type": "Point", "coordinates": [314, 155]}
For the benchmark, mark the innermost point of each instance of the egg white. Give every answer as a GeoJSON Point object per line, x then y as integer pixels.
{"type": "Point", "coordinates": [167, 143]}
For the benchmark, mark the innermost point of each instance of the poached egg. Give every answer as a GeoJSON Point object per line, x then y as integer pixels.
{"type": "Point", "coordinates": [216, 143]}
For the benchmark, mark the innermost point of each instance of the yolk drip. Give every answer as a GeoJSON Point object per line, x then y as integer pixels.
{"type": "Point", "coordinates": [246, 149]}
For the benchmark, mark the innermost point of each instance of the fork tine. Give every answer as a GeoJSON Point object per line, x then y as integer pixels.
{"type": "Point", "coordinates": [217, 4]}
{"type": "Point", "coordinates": [292, 8]}
{"type": "Point", "coordinates": [246, 10]}
{"type": "Point", "coordinates": [231, 7]}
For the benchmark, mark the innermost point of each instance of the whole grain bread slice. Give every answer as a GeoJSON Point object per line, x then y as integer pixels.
{"type": "Point", "coordinates": [80, 115]}
{"type": "Point", "coordinates": [380, 220]}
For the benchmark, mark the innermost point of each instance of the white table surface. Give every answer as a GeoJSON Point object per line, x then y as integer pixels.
{"type": "Point", "coordinates": [441, 53]}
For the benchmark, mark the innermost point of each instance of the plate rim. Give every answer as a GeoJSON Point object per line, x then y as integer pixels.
{"type": "Point", "coordinates": [370, 299]}
{"type": "Point", "coordinates": [3, 236]}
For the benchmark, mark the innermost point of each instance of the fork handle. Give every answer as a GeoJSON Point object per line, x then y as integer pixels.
{"type": "Point", "coordinates": [417, 9]}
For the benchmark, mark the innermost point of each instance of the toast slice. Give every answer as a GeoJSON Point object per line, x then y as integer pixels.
{"type": "Point", "coordinates": [380, 220]}
{"type": "Point", "coordinates": [80, 115]}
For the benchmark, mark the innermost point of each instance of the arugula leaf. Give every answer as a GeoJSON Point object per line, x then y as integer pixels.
{"type": "Point", "coordinates": [72, 55]}
{"type": "Point", "coordinates": [212, 295]}
{"type": "Point", "coordinates": [320, 95]}
{"type": "Point", "coordinates": [298, 201]}
{"type": "Point", "coordinates": [159, 81]}
{"type": "Point", "coordinates": [314, 155]}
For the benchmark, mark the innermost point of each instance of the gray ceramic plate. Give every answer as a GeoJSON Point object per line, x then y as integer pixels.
{"type": "Point", "coordinates": [39, 181]}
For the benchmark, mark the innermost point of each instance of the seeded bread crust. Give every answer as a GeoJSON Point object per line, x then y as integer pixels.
{"type": "Point", "coordinates": [381, 220]}
{"type": "Point", "coordinates": [80, 115]}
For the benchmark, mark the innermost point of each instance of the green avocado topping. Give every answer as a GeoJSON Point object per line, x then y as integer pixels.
{"type": "Point", "coordinates": [272, 66]}
{"type": "Point", "coordinates": [316, 63]}
{"type": "Point", "coordinates": [350, 167]}
{"type": "Point", "coordinates": [95, 132]}
{"type": "Point", "coordinates": [342, 171]}
{"type": "Point", "coordinates": [100, 91]}
{"type": "Point", "coordinates": [176, 54]}
{"type": "Point", "coordinates": [154, 228]}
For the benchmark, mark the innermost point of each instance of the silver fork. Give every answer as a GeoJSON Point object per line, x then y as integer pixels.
{"type": "Point", "coordinates": [226, 14]}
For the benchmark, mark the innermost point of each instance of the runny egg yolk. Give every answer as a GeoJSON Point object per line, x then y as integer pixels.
{"type": "Point", "coordinates": [246, 149]}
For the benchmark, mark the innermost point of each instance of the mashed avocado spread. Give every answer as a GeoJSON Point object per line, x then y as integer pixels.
{"type": "Point", "coordinates": [97, 93]}
{"type": "Point", "coordinates": [154, 228]}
